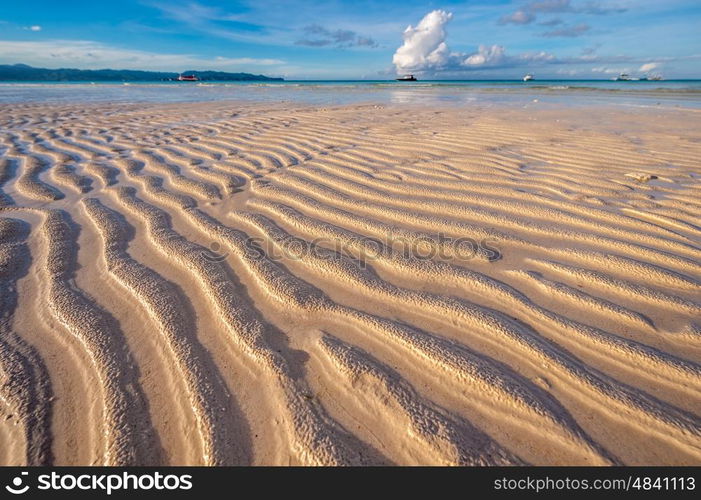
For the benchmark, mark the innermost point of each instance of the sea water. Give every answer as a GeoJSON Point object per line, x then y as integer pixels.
{"type": "Point", "coordinates": [668, 93]}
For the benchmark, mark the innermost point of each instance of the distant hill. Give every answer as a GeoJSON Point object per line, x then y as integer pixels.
{"type": "Point", "coordinates": [22, 72]}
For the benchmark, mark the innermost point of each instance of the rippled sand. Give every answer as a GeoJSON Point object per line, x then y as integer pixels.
{"type": "Point", "coordinates": [256, 284]}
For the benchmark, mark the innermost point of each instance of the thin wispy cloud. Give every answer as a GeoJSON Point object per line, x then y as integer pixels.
{"type": "Point", "coordinates": [530, 11]}
{"type": "Point", "coordinates": [34, 27]}
{"type": "Point", "coordinates": [319, 36]}
{"type": "Point", "coordinates": [551, 22]}
{"type": "Point", "coordinates": [213, 21]}
{"type": "Point", "coordinates": [597, 8]}
{"type": "Point", "coordinates": [518, 17]}
{"type": "Point", "coordinates": [569, 31]}
{"type": "Point", "coordinates": [590, 52]}
{"type": "Point", "coordinates": [196, 13]}
{"type": "Point", "coordinates": [550, 6]}
{"type": "Point", "coordinates": [590, 7]}
{"type": "Point", "coordinates": [609, 71]}
{"type": "Point", "coordinates": [95, 55]}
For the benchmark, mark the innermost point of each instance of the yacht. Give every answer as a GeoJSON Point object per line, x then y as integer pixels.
{"type": "Point", "coordinates": [188, 78]}
{"type": "Point", "coordinates": [406, 78]}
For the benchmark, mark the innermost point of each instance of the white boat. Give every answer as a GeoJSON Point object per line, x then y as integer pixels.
{"type": "Point", "coordinates": [623, 77]}
{"type": "Point", "coordinates": [528, 78]}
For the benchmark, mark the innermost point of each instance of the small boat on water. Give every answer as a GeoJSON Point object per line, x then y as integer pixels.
{"type": "Point", "coordinates": [528, 78]}
{"type": "Point", "coordinates": [188, 78]}
{"type": "Point", "coordinates": [406, 78]}
{"type": "Point", "coordinates": [624, 77]}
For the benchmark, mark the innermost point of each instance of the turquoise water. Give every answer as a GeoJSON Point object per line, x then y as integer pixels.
{"type": "Point", "coordinates": [676, 93]}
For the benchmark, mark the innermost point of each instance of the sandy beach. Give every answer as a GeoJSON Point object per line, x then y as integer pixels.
{"type": "Point", "coordinates": [240, 283]}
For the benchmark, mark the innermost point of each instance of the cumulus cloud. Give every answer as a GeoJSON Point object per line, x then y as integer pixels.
{"type": "Point", "coordinates": [485, 55]}
{"type": "Point", "coordinates": [425, 50]}
{"type": "Point", "coordinates": [518, 17]}
{"type": "Point", "coordinates": [569, 31]}
{"type": "Point", "coordinates": [94, 55]}
{"type": "Point", "coordinates": [424, 45]}
{"type": "Point", "coordinates": [318, 36]}
{"type": "Point", "coordinates": [648, 67]}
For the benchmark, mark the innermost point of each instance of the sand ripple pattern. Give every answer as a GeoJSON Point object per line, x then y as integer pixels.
{"type": "Point", "coordinates": [244, 284]}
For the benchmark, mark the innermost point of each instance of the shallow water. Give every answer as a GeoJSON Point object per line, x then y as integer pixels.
{"type": "Point", "coordinates": [672, 93]}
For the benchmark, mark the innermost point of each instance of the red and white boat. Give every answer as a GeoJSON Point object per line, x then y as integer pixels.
{"type": "Point", "coordinates": [188, 78]}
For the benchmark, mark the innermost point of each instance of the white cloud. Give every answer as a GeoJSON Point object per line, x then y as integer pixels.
{"type": "Point", "coordinates": [648, 67]}
{"type": "Point", "coordinates": [246, 60]}
{"type": "Point", "coordinates": [425, 50]}
{"type": "Point", "coordinates": [609, 71]}
{"type": "Point", "coordinates": [424, 45]}
{"type": "Point", "coordinates": [486, 55]}
{"type": "Point", "coordinates": [94, 55]}
{"type": "Point", "coordinates": [34, 27]}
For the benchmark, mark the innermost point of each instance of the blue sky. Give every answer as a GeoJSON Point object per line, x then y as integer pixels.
{"type": "Point", "coordinates": [360, 39]}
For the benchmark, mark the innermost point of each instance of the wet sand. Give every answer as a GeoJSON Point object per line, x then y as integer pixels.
{"type": "Point", "coordinates": [223, 283]}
